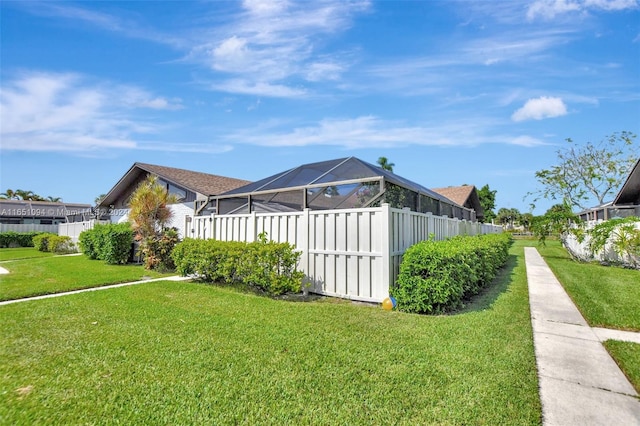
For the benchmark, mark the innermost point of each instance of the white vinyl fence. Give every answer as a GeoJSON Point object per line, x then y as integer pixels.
{"type": "Point", "coordinates": [27, 227]}
{"type": "Point", "coordinates": [580, 249]}
{"type": "Point", "coordinates": [352, 253]}
{"type": "Point", "coordinates": [74, 229]}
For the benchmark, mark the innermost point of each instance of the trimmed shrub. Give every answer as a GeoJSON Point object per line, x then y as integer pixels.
{"type": "Point", "coordinates": [41, 241]}
{"type": "Point", "coordinates": [110, 242]}
{"type": "Point", "coordinates": [266, 265]}
{"type": "Point", "coordinates": [17, 239]}
{"type": "Point", "coordinates": [61, 244]}
{"type": "Point", "coordinates": [436, 276]}
{"type": "Point", "coordinates": [54, 243]}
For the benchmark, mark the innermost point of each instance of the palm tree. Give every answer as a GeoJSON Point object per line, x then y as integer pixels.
{"type": "Point", "coordinates": [149, 214]}
{"type": "Point", "coordinates": [54, 199]}
{"type": "Point", "coordinates": [385, 164]}
{"type": "Point", "coordinates": [21, 194]}
{"type": "Point", "coordinates": [9, 194]}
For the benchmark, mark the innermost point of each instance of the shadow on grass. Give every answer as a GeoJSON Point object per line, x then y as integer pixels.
{"type": "Point", "coordinates": [487, 297]}
{"type": "Point", "coordinates": [245, 288]}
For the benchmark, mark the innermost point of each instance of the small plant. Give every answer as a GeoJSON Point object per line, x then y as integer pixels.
{"type": "Point", "coordinates": [623, 236]}
{"type": "Point", "coordinates": [157, 250]}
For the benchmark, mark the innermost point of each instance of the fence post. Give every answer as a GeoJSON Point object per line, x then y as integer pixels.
{"type": "Point", "coordinates": [252, 228]}
{"type": "Point", "coordinates": [386, 250]}
{"type": "Point", "coordinates": [303, 245]}
{"type": "Point", "coordinates": [212, 227]}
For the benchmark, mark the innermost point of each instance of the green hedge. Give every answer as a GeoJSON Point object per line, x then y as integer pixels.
{"type": "Point", "coordinates": [17, 239]}
{"type": "Point", "coordinates": [54, 243]}
{"type": "Point", "coordinates": [111, 242]}
{"type": "Point", "coordinates": [266, 265]}
{"type": "Point", "coordinates": [436, 276]}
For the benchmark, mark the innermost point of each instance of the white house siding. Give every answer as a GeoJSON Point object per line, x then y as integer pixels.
{"type": "Point", "coordinates": [179, 219]}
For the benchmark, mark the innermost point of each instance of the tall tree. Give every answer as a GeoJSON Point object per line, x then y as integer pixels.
{"type": "Point", "coordinates": [588, 173]}
{"type": "Point", "coordinates": [508, 217]}
{"type": "Point", "coordinates": [149, 215]}
{"type": "Point", "coordinates": [99, 199]}
{"type": "Point", "coordinates": [384, 163]}
{"type": "Point", "coordinates": [488, 202]}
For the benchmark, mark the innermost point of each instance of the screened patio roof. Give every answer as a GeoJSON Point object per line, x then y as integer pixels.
{"type": "Point", "coordinates": [334, 184]}
{"type": "Point", "coordinates": [331, 172]}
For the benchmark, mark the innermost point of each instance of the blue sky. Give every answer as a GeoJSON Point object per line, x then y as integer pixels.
{"type": "Point", "coordinates": [451, 92]}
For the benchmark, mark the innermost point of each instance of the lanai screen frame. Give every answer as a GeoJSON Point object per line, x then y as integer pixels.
{"type": "Point", "coordinates": [383, 182]}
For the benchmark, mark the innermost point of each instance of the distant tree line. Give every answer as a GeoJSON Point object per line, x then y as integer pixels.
{"type": "Point", "coordinates": [21, 194]}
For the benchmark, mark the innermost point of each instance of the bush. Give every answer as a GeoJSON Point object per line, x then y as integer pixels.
{"type": "Point", "coordinates": [54, 243]}
{"type": "Point", "coordinates": [41, 241]}
{"type": "Point", "coordinates": [111, 242]}
{"type": "Point", "coordinates": [17, 239]}
{"type": "Point", "coordinates": [157, 250]}
{"type": "Point", "coordinates": [61, 244]}
{"type": "Point", "coordinates": [266, 265]}
{"type": "Point", "coordinates": [436, 276]}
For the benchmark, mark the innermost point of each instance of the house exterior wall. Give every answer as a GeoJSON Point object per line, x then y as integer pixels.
{"type": "Point", "coordinates": [348, 253]}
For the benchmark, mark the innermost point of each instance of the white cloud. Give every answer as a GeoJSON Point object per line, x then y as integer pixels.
{"type": "Point", "coordinates": [549, 9]}
{"type": "Point", "coordinates": [271, 43]}
{"type": "Point", "coordinates": [527, 141]}
{"type": "Point", "coordinates": [258, 88]}
{"type": "Point", "coordinates": [540, 108]}
{"type": "Point", "coordinates": [133, 28]}
{"type": "Point", "coordinates": [67, 112]}
{"type": "Point", "coordinates": [319, 71]}
{"type": "Point", "coordinates": [374, 132]}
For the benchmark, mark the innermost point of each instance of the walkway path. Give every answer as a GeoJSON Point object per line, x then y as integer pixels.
{"type": "Point", "coordinates": [580, 384]}
{"type": "Point", "coordinates": [84, 290]}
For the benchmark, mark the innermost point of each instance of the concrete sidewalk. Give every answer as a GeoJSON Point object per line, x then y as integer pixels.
{"type": "Point", "coordinates": [84, 290]}
{"type": "Point", "coordinates": [580, 384]}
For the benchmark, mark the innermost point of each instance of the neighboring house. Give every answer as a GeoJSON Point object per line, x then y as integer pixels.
{"type": "Point", "coordinates": [20, 212]}
{"type": "Point", "coordinates": [466, 196]}
{"type": "Point", "coordinates": [188, 187]}
{"type": "Point", "coordinates": [626, 203]}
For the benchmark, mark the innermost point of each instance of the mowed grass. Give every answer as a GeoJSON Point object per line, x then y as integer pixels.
{"type": "Point", "coordinates": [627, 355]}
{"type": "Point", "coordinates": [606, 296]}
{"type": "Point", "coordinates": [37, 276]}
{"type": "Point", "coordinates": [187, 353]}
{"type": "Point", "coordinates": [22, 253]}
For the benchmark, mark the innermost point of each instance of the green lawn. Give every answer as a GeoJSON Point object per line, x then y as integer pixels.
{"type": "Point", "coordinates": [627, 355]}
{"type": "Point", "coordinates": [33, 277]}
{"type": "Point", "coordinates": [187, 353]}
{"type": "Point", "coordinates": [606, 296]}
{"type": "Point", "coordinates": [22, 253]}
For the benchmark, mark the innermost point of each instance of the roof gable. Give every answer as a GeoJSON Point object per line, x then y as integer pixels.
{"type": "Point", "coordinates": [199, 182]}
{"type": "Point", "coordinates": [630, 191]}
{"type": "Point", "coordinates": [465, 195]}
{"type": "Point", "coordinates": [204, 184]}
